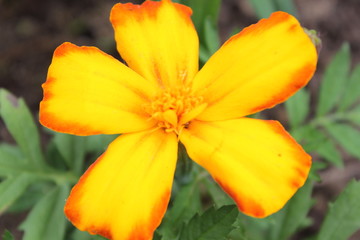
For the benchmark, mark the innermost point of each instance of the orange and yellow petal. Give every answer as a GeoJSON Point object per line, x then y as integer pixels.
{"type": "Point", "coordinates": [157, 40]}
{"type": "Point", "coordinates": [125, 193]}
{"type": "Point", "coordinates": [259, 67]}
{"type": "Point", "coordinates": [255, 161]}
{"type": "Point", "coordinates": [89, 92]}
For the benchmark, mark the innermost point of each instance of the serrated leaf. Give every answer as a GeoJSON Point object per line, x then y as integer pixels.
{"type": "Point", "coordinates": [297, 107]}
{"type": "Point", "coordinates": [262, 8]}
{"type": "Point", "coordinates": [47, 220]}
{"type": "Point", "coordinates": [343, 217]}
{"type": "Point", "coordinates": [7, 235]}
{"type": "Point", "coordinates": [11, 189]}
{"type": "Point", "coordinates": [21, 125]}
{"type": "Point", "coordinates": [347, 136]}
{"type": "Point", "coordinates": [334, 81]}
{"type": "Point", "coordinates": [219, 197]}
{"type": "Point", "coordinates": [212, 225]}
{"type": "Point", "coordinates": [352, 91]}
{"type": "Point", "coordinates": [293, 215]}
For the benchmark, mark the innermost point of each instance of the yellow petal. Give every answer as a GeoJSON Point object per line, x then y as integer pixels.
{"type": "Point", "coordinates": [258, 68]}
{"type": "Point", "coordinates": [157, 40]}
{"type": "Point", "coordinates": [90, 92]}
{"type": "Point", "coordinates": [125, 193]}
{"type": "Point", "coordinates": [255, 161]}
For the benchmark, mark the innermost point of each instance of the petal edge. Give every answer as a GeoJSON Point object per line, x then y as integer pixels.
{"type": "Point", "coordinates": [125, 193]}
{"type": "Point", "coordinates": [260, 67]}
{"type": "Point", "coordinates": [255, 161]}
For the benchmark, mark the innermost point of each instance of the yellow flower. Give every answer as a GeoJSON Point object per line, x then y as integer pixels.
{"type": "Point", "coordinates": [161, 98]}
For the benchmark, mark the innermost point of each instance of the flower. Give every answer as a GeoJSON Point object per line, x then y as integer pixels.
{"type": "Point", "coordinates": [161, 98]}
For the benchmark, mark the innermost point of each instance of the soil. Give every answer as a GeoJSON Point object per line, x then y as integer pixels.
{"type": "Point", "coordinates": [30, 30]}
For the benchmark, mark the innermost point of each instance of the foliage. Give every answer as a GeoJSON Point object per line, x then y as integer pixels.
{"type": "Point", "coordinates": [263, 9]}
{"type": "Point", "coordinates": [35, 180]}
{"type": "Point", "coordinates": [7, 236]}
{"type": "Point", "coordinates": [205, 18]}
{"type": "Point", "coordinates": [343, 218]}
{"type": "Point", "coordinates": [38, 179]}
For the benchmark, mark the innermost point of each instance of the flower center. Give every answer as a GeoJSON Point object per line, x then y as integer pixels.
{"type": "Point", "coordinates": [174, 108]}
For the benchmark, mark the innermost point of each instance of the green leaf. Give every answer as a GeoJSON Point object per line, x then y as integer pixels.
{"type": "Point", "coordinates": [7, 235]}
{"type": "Point", "coordinates": [311, 137]}
{"type": "Point", "coordinates": [334, 81]}
{"type": "Point", "coordinates": [212, 40]}
{"type": "Point", "coordinates": [219, 197]}
{"type": "Point", "coordinates": [80, 235]}
{"type": "Point", "coordinates": [317, 141]}
{"type": "Point", "coordinates": [21, 125]}
{"type": "Point", "coordinates": [97, 237]}
{"type": "Point", "coordinates": [297, 107]}
{"type": "Point", "coordinates": [11, 189]}
{"type": "Point", "coordinates": [97, 144]}
{"type": "Point", "coordinates": [286, 6]}
{"type": "Point", "coordinates": [10, 154]}
{"type": "Point", "coordinates": [186, 204]}
{"type": "Point", "coordinates": [204, 54]}
{"type": "Point", "coordinates": [239, 233]}
{"type": "Point", "coordinates": [351, 94]}
{"type": "Point", "coordinates": [157, 236]}
{"type": "Point", "coordinates": [314, 171]}
{"type": "Point", "coordinates": [54, 158]}
{"type": "Point", "coordinates": [12, 161]}
{"type": "Point", "coordinates": [343, 217]}
{"type": "Point", "coordinates": [203, 9]}
{"type": "Point", "coordinates": [72, 148]}
{"type": "Point", "coordinates": [31, 196]}
{"type": "Point", "coordinates": [254, 228]}
{"type": "Point", "coordinates": [354, 115]}
{"type": "Point", "coordinates": [347, 136]}
{"type": "Point", "coordinates": [212, 225]}
{"type": "Point", "coordinates": [12, 164]}
{"type": "Point", "coordinates": [262, 8]}
{"type": "Point", "coordinates": [46, 220]}
{"type": "Point", "coordinates": [328, 151]}
{"type": "Point", "coordinates": [293, 215]}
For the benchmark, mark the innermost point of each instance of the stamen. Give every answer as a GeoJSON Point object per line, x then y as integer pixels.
{"type": "Point", "coordinates": [174, 108]}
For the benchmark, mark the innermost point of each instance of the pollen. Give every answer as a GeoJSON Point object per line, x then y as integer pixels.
{"type": "Point", "coordinates": [175, 108]}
